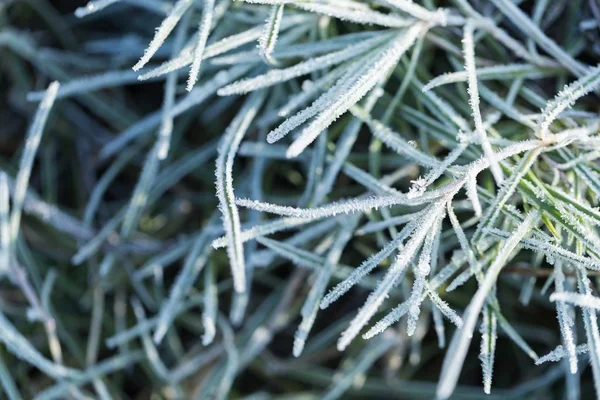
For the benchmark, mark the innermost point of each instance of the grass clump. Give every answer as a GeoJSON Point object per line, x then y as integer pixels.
{"type": "Point", "coordinates": [299, 199]}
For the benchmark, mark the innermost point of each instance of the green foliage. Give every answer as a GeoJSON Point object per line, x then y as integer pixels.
{"type": "Point", "coordinates": [278, 199]}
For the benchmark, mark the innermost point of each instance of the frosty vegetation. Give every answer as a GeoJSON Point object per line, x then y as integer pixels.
{"type": "Point", "coordinates": [327, 198]}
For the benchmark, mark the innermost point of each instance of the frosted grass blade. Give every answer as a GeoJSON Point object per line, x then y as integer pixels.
{"type": "Point", "coordinates": [566, 323]}
{"type": "Point", "coordinates": [421, 273]}
{"type": "Point", "coordinates": [268, 40]}
{"type": "Point", "coordinates": [386, 60]}
{"type": "Point", "coordinates": [552, 251]}
{"type": "Point", "coordinates": [323, 102]}
{"type": "Point", "coordinates": [532, 31]}
{"type": "Point", "coordinates": [163, 31]}
{"type": "Point", "coordinates": [264, 229]}
{"type": "Point", "coordinates": [505, 192]}
{"type": "Point", "coordinates": [222, 46]}
{"type": "Point", "coordinates": [21, 347]}
{"type": "Point", "coordinates": [341, 207]}
{"type": "Point", "coordinates": [377, 297]}
{"type": "Point", "coordinates": [311, 306]}
{"type": "Point", "coordinates": [457, 351]}
{"type": "Point", "coordinates": [92, 7]}
{"type": "Point", "coordinates": [438, 17]}
{"type": "Point", "coordinates": [193, 265]}
{"type": "Point", "coordinates": [89, 84]}
{"type": "Point", "coordinates": [377, 226]}
{"type": "Point", "coordinates": [580, 300]}
{"type": "Point", "coordinates": [362, 16]}
{"type": "Point", "coordinates": [8, 383]}
{"type": "Point", "coordinates": [469, 52]}
{"type": "Point", "coordinates": [209, 315]}
{"type": "Point", "coordinates": [166, 127]}
{"type": "Point", "coordinates": [395, 141]}
{"type": "Point", "coordinates": [310, 90]}
{"type": "Point", "coordinates": [231, 367]}
{"type": "Point", "coordinates": [306, 67]}
{"type": "Point", "coordinates": [139, 198]}
{"type": "Point", "coordinates": [559, 353]}
{"type": "Point", "coordinates": [203, 31]}
{"type": "Point", "coordinates": [488, 347]}
{"type": "Point", "coordinates": [231, 220]}
{"type": "Point", "coordinates": [495, 72]}
{"type": "Point", "coordinates": [567, 97]}
{"type": "Point", "coordinates": [32, 142]}
{"type": "Point", "coordinates": [343, 148]}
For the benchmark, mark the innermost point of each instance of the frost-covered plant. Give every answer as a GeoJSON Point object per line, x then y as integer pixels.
{"type": "Point", "coordinates": [385, 178]}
